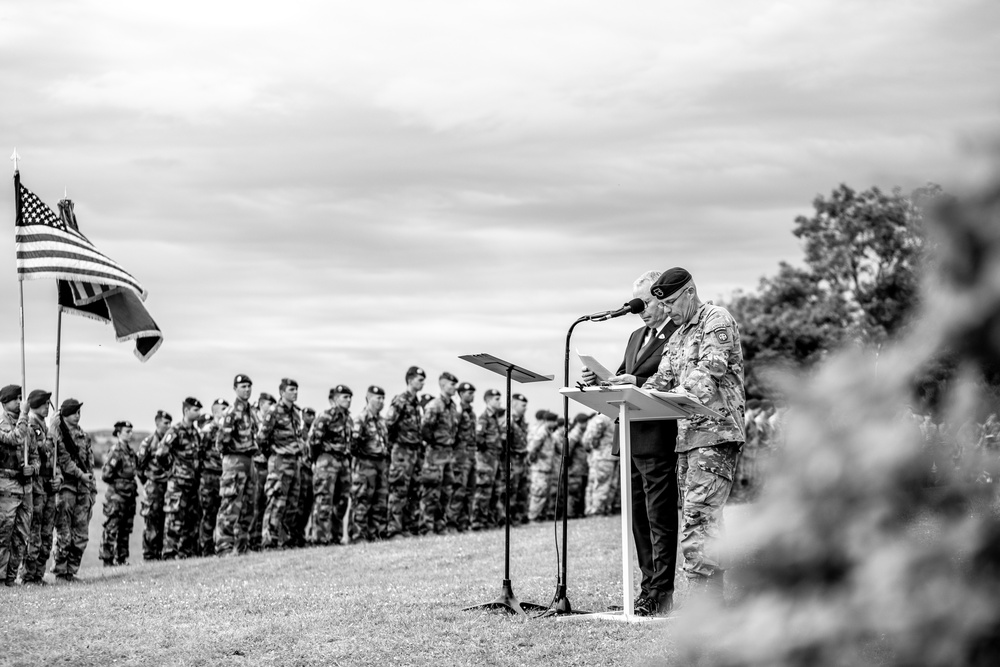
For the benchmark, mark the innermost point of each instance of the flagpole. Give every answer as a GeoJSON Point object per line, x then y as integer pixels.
{"type": "Point", "coordinates": [58, 349]}
{"type": "Point", "coordinates": [20, 284]}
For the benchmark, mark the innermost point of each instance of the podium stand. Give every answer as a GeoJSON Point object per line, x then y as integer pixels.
{"type": "Point", "coordinates": [629, 403]}
{"type": "Point", "coordinates": [507, 600]}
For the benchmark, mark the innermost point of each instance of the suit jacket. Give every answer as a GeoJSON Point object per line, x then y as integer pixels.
{"type": "Point", "coordinates": [652, 438]}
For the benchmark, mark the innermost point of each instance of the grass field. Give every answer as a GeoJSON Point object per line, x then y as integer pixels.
{"type": "Point", "coordinates": [397, 602]}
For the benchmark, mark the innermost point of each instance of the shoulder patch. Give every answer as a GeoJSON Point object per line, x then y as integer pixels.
{"type": "Point", "coordinates": [722, 334]}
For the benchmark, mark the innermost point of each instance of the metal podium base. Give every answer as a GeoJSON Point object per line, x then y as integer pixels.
{"type": "Point", "coordinates": [507, 602]}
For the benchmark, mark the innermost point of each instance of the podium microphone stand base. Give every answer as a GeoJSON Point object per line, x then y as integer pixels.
{"type": "Point", "coordinates": [560, 605]}
{"type": "Point", "coordinates": [507, 602]}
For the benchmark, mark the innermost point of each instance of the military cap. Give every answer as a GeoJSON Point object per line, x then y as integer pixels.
{"type": "Point", "coordinates": [240, 379]}
{"type": "Point", "coordinates": [264, 396]}
{"type": "Point", "coordinates": [541, 414]}
{"type": "Point", "coordinates": [376, 390]}
{"type": "Point", "coordinates": [414, 371]}
{"type": "Point", "coordinates": [341, 389]}
{"type": "Point", "coordinates": [286, 383]}
{"type": "Point", "coordinates": [10, 392]}
{"type": "Point", "coordinates": [448, 376]}
{"type": "Point", "coordinates": [581, 418]}
{"type": "Point", "coordinates": [220, 401]}
{"type": "Point", "coordinates": [192, 402]}
{"type": "Point", "coordinates": [70, 407]}
{"type": "Point", "coordinates": [163, 414]}
{"type": "Point", "coordinates": [669, 282]}
{"type": "Point", "coordinates": [122, 424]}
{"type": "Point", "coordinates": [466, 386]}
{"type": "Point", "coordinates": [425, 399]}
{"type": "Point", "coordinates": [308, 411]}
{"type": "Point", "coordinates": [519, 397]}
{"type": "Point", "coordinates": [490, 393]}
{"type": "Point", "coordinates": [37, 398]}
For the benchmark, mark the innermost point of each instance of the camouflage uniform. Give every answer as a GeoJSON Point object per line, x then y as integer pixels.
{"type": "Point", "coordinates": [368, 479]}
{"type": "Point", "coordinates": [704, 360]}
{"type": "Point", "coordinates": [208, 488]}
{"type": "Point", "coordinates": [15, 493]}
{"type": "Point", "coordinates": [488, 446]}
{"type": "Point", "coordinates": [577, 475]}
{"type": "Point", "coordinates": [281, 440]}
{"type": "Point", "coordinates": [519, 482]}
{"type": "Point", "coordinates": [236, 440]}
{"type": "Point", "coordinates": [602, 476]}
{"type": "Point", "coordinates": [119, 503]}
{"type": "Point", "coordinates": [75, 504]}
{"type": "Point", "coordinates": [403, 420]}
{"type": "Point", "coordinates": [438, 428]}
{"type": "Point", "coordinates": [458, 514]}
{"type": "Point", "coordinates": [152, 470]}
{"type": "Point", "coordinates": [541, 457]}
{"type": "Point", "coordinates": [182, 443]}
{"type": "Point", "coordinates": [329, 448]}
{"type": "Point", "coordinates": [43, 515]}
{"type": "Point", "coordinates": [299, 524]}
{"type": "Point", "coordinates": [260, 491]}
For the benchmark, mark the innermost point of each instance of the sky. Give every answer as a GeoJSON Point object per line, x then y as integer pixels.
{"type": "Point", "coordinates": [334, 191]}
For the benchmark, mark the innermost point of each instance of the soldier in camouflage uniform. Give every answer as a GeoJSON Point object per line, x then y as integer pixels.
{"type": "Point", "coordinates": [458, 514]}
{"type": "Point", "coordinates": [45, 487]}
{"type": "Point", "coordinates": [211, 475]}
{"type": "Point", "coordinates": [281, 440]}
{"type": "Point", "coordinates": [75, 505]}
{"type": "Point", "coordinates": [602, 475]}
{"type": "Point", "coordinates": [18, 467]}
{"type": "Point", "coordinates": [119, 498]}
{"type": "Point", "coordinates": [152, 471]}
{"type": "Point", "coordinates": [182, 447]}
{"type": "Point", "coordinates": [438, 429]}
{"type": "Point", "coordinates": [488, 448]}
{"type": "Point", "coordinates": [543, 474]}
{"type": "Point", "coordinates": [330, 450]}
{"type": "Point", "coordinates": [264, 404]}
{"type": "Point", "coordinates": [368, 480]}
{"type": "Point", "coordinates": [577, 474]}
{"type": "Point", "coordinates": [406, 444]}
{"type": "Point", "coordinates": [304, 504]}
{"type": "Point", "coordinates": [236, 440]}
{"type": "Point", "coordinates": [519, 483]}
{"type": "Point", "coordinates": [703, 359]}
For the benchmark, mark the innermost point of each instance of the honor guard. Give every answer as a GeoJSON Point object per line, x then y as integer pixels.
{"type": "Point", "coordinates": [368, 478]}
{"type": "Point", "coordinates": [45, 487]}
{"type": "Point", "coordinates": [281, 441]}
{"type": "Point", "coordinates": [75, 505]}
{"type": "Point", "coordinates": [236, 440]}
{"type": "Point", "coordinates": [330, 451]}
{"type": "Point", "coordinates": [403, 421]}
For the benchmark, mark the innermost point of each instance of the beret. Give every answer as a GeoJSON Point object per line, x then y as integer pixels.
{"type": "Point", "coordinates": [37, 398]}
{"type": "Point", "coordinates": [264, 396]}
{"type": "Point", "coordinates": [308, 411]}
{"type": "Point", "coordinates": [70, 407]}
{"type": "Point", "coordinates": [192, 402]}
{"type": "Point", "coordinates": [448, 376]}
{"type": "Point", "coordinates": [341, 389]}
{"type": "Point", "coordinates": [519, 397]}
{"type": "Point", "coordinates": [163, 414]}
{"type": "Point", "coordinates": [9, 393]}
{"type": "Point", "coordinates": [669, 282]}
{"type": "Point", "coordinates": [414, 371]}
{"type": "Point", "coordinates": [122, 424]}
{"type": "Point", "coordinates": [286, 383]}
{"type": "Point", "coordinates": [376, 390]}
{"type": "Point", "coordinates": [466, 386]}
{"type": "Point", "coordinates": [240, 379]}
{"type": "Point", "coordinates": [220, 401]}
{"type": "Point", "coordinates": [490, 393]}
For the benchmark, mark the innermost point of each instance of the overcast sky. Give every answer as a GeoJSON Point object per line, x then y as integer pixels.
{"type": "Point", "coordinates": [333, 191]}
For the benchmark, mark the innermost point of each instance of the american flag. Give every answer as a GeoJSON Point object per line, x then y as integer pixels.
{"type": "Point", "coordinates": [52, 247]}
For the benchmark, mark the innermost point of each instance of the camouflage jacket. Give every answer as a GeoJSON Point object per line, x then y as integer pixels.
{"type": "Point", "coordinates": [518, 435]}
{"type": "Point", "coordinates": [331, 433]}
{"type": "Point", "coordinates": [489, 432]}
{"type": "Point", "coordinates": [541, 449]}
{"type": "Point", "coordinates": [577, 451]}
{"type": "Point", "coordinates": [211, 457]}
{"type": "Point", "coordinates": [182, 445]}
{"type": "Point", "coordinates": [281, 431]}
{"type": "Point", "coordinates": [599, 437]}
{"type": "Point", "coordinates": [370, 439]}
{"type": "Point", "coordinates": [152, 466]}
{"type": "Point", "coordinates": [703, 359]}
{"type": "Point", "coordinates": [465, 438]}
{"type": "Point", "coordinates": [238, 432]}
{"type": "Point", "coordinates": [13, 434]}
{"type": "Point", "coordinates": [74, 468]}
{"type": "Point", "coordinates": [440, 423]}
{"type": "Point", "coordinates": [120, 468]}
{"type": "Point", "coordinates": [403, 420]}
{"type": "Point", "coordinates": [38, 432]}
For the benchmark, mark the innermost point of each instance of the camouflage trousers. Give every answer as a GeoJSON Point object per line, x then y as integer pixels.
{"type": "Point", "coordinates": [458, 513]}
{"type": "Point", "coordinates": [74, 507]}
{"type": "Point", "coordinates": [259, 505]}
{"type": "Point", "coordinates": [576, 496]}
{"type": "Point", "coordinates": [404, 489]}
{"type": "Point", "coordinates": [182, 518]}
{"type": "Point", "coordinates": [437, 476]}
{"type": "Point", "coordinates": [237, 487]}
{"type": "Point", "coordinates": [210, 501]}
{"type": "Point", "coordinates": [542, 501]}
{"type": "Point", "coordinates": [15, 521]}
{"type": "Point", "coordinates": [602, 487]}
{"type": "Point", "coordinates": [43, 523]}
{"type": "Point", "coordinates": [152, 514]}
{"type": "Point", "coordinates": [484, 495]}
{"type": "Point", "coordinates": [331, 493]}
{"type": "Point", "coordinates": [119, 513]}
{"type": "Point", "coordinates": [282, 489]}
{"type": "Point", "coordinates": [519, 489]}
{"type": "Point", "coordinates": [704, 480]}
{"type": "Point", "coordinates": [369, 494]}
{"type": "Point", "coordinates": [299, 524]}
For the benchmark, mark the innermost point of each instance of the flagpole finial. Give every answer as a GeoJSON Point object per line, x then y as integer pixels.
{"type": "Point", "coordinates": [15, 157]}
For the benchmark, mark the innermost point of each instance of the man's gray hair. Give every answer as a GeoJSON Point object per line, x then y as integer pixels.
{"type": "Point", "coordinates": [649, 277]}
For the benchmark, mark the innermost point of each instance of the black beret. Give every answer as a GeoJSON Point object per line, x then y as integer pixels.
{"type": "Point", "coordinates": [122, 424]}
{"type": "Point", "coordinates": [581, 418]}
{"type": "Point", "coordinates": [519, 397]}
{"type": "Point", "coordinates": [669, 282]}
{"type": "Point", "coordinates": [448, 376]}
{"type": "Point", "coordinates": [240, 379]}
{"type": "Point", "coordinates": [376, 390]}
{"type": "Point", "coordinates": [10, 392]}
{"type": "Point", "coordinates": [341, 389]}
{"type": "Point", "coordinates": [163, 414]}
{"type": "Point", "coordinates": [192, 402]}
{"type": "Point", "coordinates": [425, 399]}
{"type": "Point", "coordinates": [220, 401]}
{"type": "Point", "coordinates": [37, 398]}
{"type": "Point", "coordinates": [308, 411]}
{"type": "Point", "coordinates": [490, 393]}
{"type": "Point", "coordinates": [414, 371]}
{"type": "Point", "coordinates": [264, 396]}
{"type": "Point", "coordinates": [70, 407]}
{"type": "Point", "coordinates": [286, 383]}
{"type": "Point", "coordinates": [466, 386]}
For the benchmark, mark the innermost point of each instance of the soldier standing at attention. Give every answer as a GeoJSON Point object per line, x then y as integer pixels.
{"type": "Point", "coordinates": [703, 360]}
{"type": "Point", "coordinates": [211, 474]}
{"type": "Point", "coordinates": [152, 473]}
{"type": "Point", "coordinates": [438, 429]}
{"type": "Point", "coordinates": [119, 498]}
{"type": "Point", "coordinates": [45, 487]}
{"type": "Point", "coordinates": [281, 440]}
{"type": "Point", "coordinates": [541, 457]}
{"type": "Point", "coordinates": [577, 474]}
{"type": "Point", "coordinates": [406, 444]}
{"type": "Point", "coordinates": [459, 503]}
{"type": "Point", "coordinates": [18, 467]}
{"type": "Point", "coordinates": [182, 447]}
{"type": "Point", "coordinates": [519, 483]}
{"type": "Point", "coordinates": [488, 447]}
{"type": "Point", "coordinates": [75, 504]}
{"type": "Point", "coordinates": [264, 404]}
{"type": "Point", "coordinates": [304, 504]}
{"type": "Point", "coordinates": [330, 451]}
{"type": "Point", "coordinates": [236, 439]}
{"type": "Point", "coordinates": [368, 483]}
{"type": "Point", "coordinates": [602, 475]}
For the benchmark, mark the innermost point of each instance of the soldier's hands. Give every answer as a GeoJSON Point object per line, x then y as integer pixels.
{"type": "Point", "coordinates": [624, 378]}
{"type": "Point", "coordinates": [24, 406]}
{"type": "Point", "coordinates": [588, 376]}
{"type": "Point", "coordinates": [28, 471]}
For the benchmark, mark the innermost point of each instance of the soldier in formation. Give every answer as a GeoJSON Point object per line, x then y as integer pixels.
{"type": "Point", "coordinates": [18, 466]}
{"type": "Point", "coordinates": [119, 473]}
{"type": "Point", "coordinates": [44, 488]}
{"type": "Point", "coordinates": [74, 507]}
{"type": "Point", "coordinates": [152, 471]}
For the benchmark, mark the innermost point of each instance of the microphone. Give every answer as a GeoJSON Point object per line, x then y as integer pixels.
{"type": "Point", "coordinates": [633, 306]}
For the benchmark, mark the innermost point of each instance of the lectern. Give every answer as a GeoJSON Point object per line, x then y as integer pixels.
{"type": "Point", "coordinates": [629, 403]}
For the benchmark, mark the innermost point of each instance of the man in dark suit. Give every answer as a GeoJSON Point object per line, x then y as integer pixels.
{"type": "Point", "coordinates": [654, 479]}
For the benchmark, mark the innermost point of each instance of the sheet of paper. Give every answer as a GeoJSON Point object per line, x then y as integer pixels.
{"type": "Point", "coordinates": [595, 366]}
